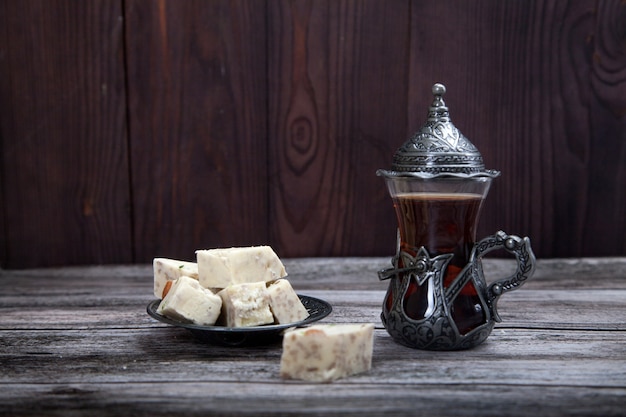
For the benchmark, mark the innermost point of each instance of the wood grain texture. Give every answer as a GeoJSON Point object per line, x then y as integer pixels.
{"type": "Point", "coordinates": [73, 296]}
{"type": "Point", "coordinates": [64, 161]}
{"type": "Point", "coordinates": [541, 95]}
{"type": "Point", "coordinates": [400, 400]}
{"type": "Point", "coordinates": [76, 341]}
{"type": "Point", "coordinates": [337, 93]}
{"type": "Point", "coordinates": [197, 98]}
{"type": "Point", "coordinates": [509, 357]}
{"type": "Point", "coordinates": [606, 179]}
{"type": "Point", "coordinates": [131, 130]}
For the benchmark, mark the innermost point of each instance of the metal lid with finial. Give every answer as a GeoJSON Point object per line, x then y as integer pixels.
{"type": "Point", "coordinates": [438, 149]}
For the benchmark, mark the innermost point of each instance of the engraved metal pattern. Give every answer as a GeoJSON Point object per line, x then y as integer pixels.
{"type": "Point", "coordinates": [438, 331]}
{"type": "Point", "coordinates": [438, 148]}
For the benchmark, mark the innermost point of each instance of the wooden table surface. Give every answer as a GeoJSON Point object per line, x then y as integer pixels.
{"type": "Point", "coordinates": [78, 341]}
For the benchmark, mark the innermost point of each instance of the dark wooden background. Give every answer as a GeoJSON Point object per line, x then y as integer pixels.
{"type": "Point", "coordinates": [131, 129]}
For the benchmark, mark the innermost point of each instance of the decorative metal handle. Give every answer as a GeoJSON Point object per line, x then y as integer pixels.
{"type": "Point", "coordinates": [520, 247]}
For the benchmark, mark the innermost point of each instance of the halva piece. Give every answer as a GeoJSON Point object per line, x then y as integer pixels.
{"type": "Point", "coordinates": [326, 352]}
{"type": "Point", "coordinates": [285, 303]}
{"type": "Point", "coordinates": [169, 270]}
{"type": "Point", "coordinates": [220, 268]}
{"type": "Point", "coordinates": [188, 301]}
{"type": "Point", "coordinates": [245, 305]}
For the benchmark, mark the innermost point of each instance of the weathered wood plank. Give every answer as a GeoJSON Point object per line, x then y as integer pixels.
{"type": "Point", "coordinates": [564, 294]}
{"type": "Point", "coordinates": [319, 95]}
{"type": "Point", "coordinates": [512, 357]}
{"type": "Point", "coordinates": [603, 106]}
{"type": "Point", "coordinates": [222, 399]}
{"type": "Point", "coordinates": [333, 273]}
{"type": "Point", "coordinates": [78, 340]}
{"type": "Point", "coordinates": [330, 273]}
{"type": "Point", "coordinates": [558, 309]}
{"type": "Point", "coordinates": [539, 88]}
{"type": "Point", "coordinates": [197, 100]}
{"type": "Point", "coordinates": [63, 139]}
{"type": "Point", "coordinates": [337, 72]}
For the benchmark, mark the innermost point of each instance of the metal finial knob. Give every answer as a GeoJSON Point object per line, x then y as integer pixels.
{"type": "Point", "coordinates": [438, 91]}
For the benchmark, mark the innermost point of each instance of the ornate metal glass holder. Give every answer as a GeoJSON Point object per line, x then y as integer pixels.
{"type": "Point", "coordinates": [438, 298]}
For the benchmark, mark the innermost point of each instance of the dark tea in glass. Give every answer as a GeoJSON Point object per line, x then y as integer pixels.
{"type": "Point", "coordinates": [441, 216]}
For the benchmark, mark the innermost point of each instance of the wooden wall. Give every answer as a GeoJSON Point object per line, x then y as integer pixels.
{"type": "Point", "coordinates": [131, 129]}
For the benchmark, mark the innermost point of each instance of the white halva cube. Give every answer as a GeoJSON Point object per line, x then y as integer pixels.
{"type": "Point", "coordinates": [326, 352]}
{"type": "Point", "coordinates": [245, 305]}
{"type": "Point", "coordinates": [188, 301]}
{"type": "Point", "coordinates": [166, 270]}
{"type": "Point", "coordinates": [285, 303]}
{"type": "Point", "coordinates": [220, 268]}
